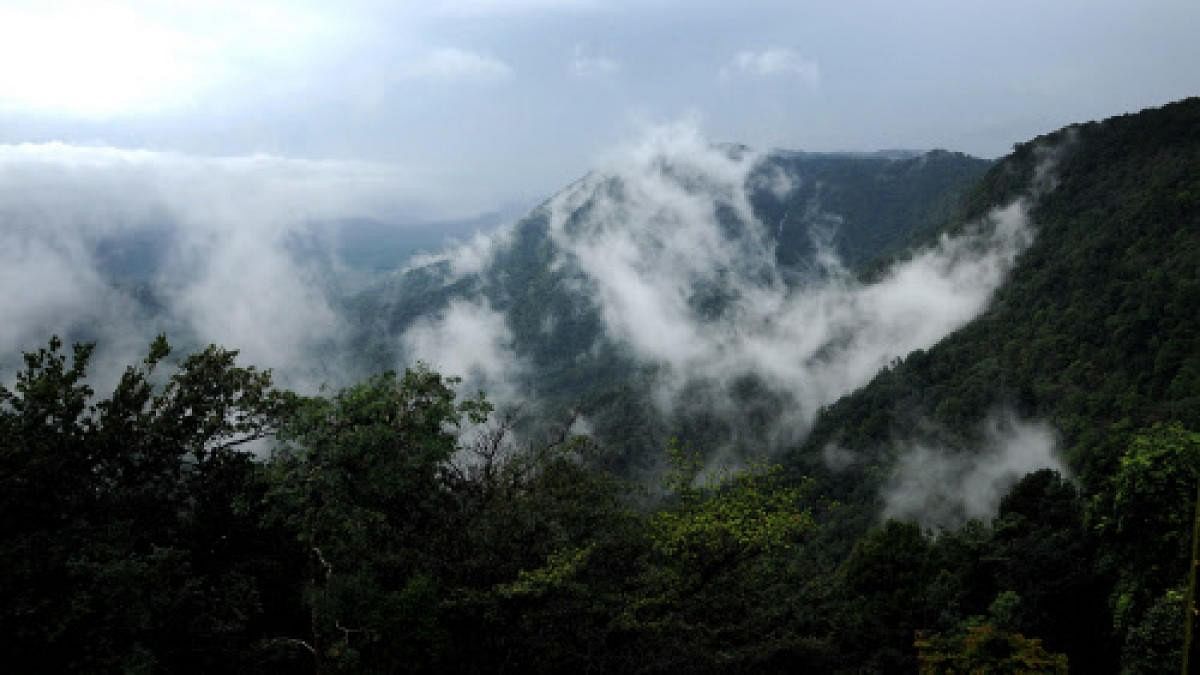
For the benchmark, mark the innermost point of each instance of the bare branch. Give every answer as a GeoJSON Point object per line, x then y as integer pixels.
{"type": "Point", "coordinates": [292, 642]}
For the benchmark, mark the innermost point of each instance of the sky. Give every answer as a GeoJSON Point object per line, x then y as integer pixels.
{"type": "Point", "coordinates": [477, 104]}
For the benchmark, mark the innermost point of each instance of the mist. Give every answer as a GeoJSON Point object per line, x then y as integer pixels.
{"type": "Point", "coordinates": [209, 238]}
{"type": "Point", "coordinates": [665, 247]}
{"type": "Point", "coordinates": [661, 239]}
{"type": "Point", "coordinates": [943, 488]}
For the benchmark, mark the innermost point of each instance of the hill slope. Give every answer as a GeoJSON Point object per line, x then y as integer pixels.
{"type": "Point", "coordinates": [632, 295]}
{"type": "Point", "coordinates": [1093, 346]}
{"type": "Point", "coordinates": [1096, 328]}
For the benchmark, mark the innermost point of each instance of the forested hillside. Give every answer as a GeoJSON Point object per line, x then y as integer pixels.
{"type": "Point", "coordinates": [1015, 496]}
{"type": "Point", "coordinates": [1097, 333]}
{"type": "Point", "coordinates": [718, 233]}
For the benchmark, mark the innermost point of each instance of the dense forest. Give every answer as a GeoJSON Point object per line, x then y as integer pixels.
{"type": "Point", "coordinates": [199, 519]}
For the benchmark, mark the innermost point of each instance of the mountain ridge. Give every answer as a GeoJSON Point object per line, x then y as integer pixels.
{"type": "Point", "coordinates": [779, 220]}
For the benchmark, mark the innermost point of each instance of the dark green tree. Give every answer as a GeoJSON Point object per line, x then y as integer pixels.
{"type": "Point", "coordinates": [121, 529]}
{"type": "Point", "coordinates": [360, 482]}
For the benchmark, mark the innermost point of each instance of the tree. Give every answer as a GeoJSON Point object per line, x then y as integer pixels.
{"type": "Point", "coordinates": [1146, 517]}
{"type": "Point", "coordinates": [123, 545]}
{"type": "Point", "coordinates": [360, 482]}
{"type": "Point", "coordinates": [717, 570]}
{"type": "Point", "coordinates": [885, 578]}
{"type": "Point", "coordinates": [1043, 552]}
{"type": "Point", "coordinates": [983, 648]}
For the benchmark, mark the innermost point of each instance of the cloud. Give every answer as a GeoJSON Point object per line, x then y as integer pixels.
{"type": "Point", "coordinates": [662, 243]}
{"type": "Point", "coordinates": [214, 234]}
{"type": "Point", "coordinates": [669, 218]}
{"type": "Point", "coordinates": [449, 64]}
{"type": "Point", "coordinates": [47, 291]}
{"type": "Point", "coordinates": [472, 341]}
{"type": "Point", "coordinates": [587, 66]}
{"type": "Point", "coordinates": [941, 488]}
{"type": "Point", "coordinates": [773, 62]}
{"type": "Point", "coordinates": [837, 458]}
{"type": "Point", "coordinates": [463, 257]}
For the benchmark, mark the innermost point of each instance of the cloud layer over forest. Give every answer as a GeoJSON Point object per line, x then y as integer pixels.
{"type": "Point", "coordinates": [939, 487]}
{"type": "Point", "coordinates": [661, 239]}
{"type": "Point", "coordinates": [674, 260]}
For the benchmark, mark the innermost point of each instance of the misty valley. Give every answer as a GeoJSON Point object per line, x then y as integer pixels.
{"type": "Point", "coordinates": [707, 408]}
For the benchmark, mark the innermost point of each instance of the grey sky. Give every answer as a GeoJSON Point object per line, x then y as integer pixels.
{"type": "Point", "coordinates": [498, 101]}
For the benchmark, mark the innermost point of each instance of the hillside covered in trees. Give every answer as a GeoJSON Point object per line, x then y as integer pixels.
{"type": "Point", "coordinates": [712, 228]}
{"type": "Point", "coordinates": [198, 519]}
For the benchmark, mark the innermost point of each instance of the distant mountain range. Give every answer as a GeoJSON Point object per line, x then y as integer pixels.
{"type": "Point", "coordinates": [706, 229]}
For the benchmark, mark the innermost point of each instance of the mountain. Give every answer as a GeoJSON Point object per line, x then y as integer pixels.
{"type": "Point", "coordinates": [707, 240]}
{"type": "Point", "coordinates": [743, 302]}
{"type": "Point", "coordinates": [362, 246]}
{"type": "Point", "coordinates": [1095, 330]}
{"type": "Point", "coordinates": [1095, 337]}
{"type": "Point", "coordinates": [110, 271]}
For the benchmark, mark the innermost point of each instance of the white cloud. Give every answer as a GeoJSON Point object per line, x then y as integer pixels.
{"type": "Point", "coordinates": [774, 62]}
{"type": "Point", "coordinates": [941, 488]}
{"type": "Point", "coordinates": [472, 341]}
{"type": "Point", "coordinates": [449, 64]}
{"type": "Point", "coordinates": [652, 234]}
{"type": "Point", "coordinates": [669, 216]}
{"type": "Point", "coordinates": [227, 275]}
{"type": "Point", "coordinates": [464, 258]}
{"type": "Point", "coordinates": [587, 65]}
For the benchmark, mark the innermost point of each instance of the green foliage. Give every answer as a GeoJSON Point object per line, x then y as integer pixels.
{"type": "Point", "coordinates": [561, 568]}
{"type": "Point", "coordinates": [982, 648]}
{"type": "Point", "coordinates": [1095, 332]}
{"type": "Point", "coordinates": [1154, 643]}
{"type": "Point", "coordinates": [884, 580]}
{"type": "Point", "coordinates": [1145, 518]}
{"type": "Point", "coordinates": [119, 532]}
{"type": "Point", "coordinates": [359, 481]}
{"type": "Point", "coordinates": [730, 516]}
{"type": "Point", "coordinates": [400, 528]}
{"type": "Point", "coordinates": [1147, 508]}
{"type": "Point", "coordinates": [716, 569]}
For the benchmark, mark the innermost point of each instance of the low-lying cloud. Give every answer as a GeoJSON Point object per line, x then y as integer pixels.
{"type": "Point", "coordinates": [472, 341]}
{"type": "Point", "coordinates": [663, 242]}
{"type": "Point", "coordinates": [653, 234]}
{"type": "Point", "coordinates": [217, 229]}
{"type": "Point", "coordinates": [943, 488]}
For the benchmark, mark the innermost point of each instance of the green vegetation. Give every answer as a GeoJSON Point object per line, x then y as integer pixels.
{"type": "Point", "coordinates": [202, 520]}
{"type": "Point", "coordinates": [1096, 332]}
{"type": "Point", "coordinates": [387, 532]}
{"type": "Point", "coordinates": [394, 529]}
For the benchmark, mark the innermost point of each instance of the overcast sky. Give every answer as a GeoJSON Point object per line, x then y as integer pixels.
{"type": "Point", "coordinates": [502, 101]}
